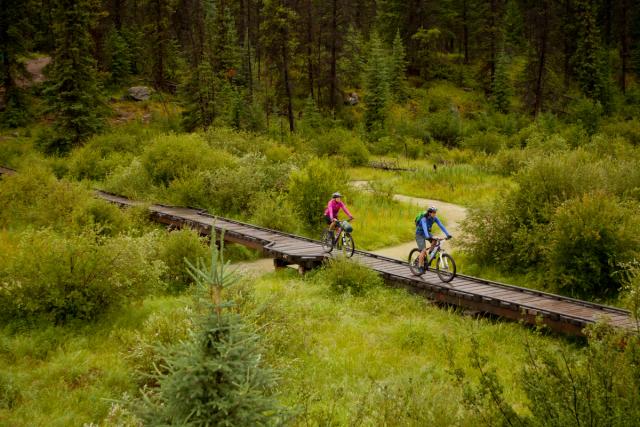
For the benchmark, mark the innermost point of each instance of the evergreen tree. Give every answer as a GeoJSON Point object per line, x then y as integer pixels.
{"type": "Point", "coordinates": [160, 40]}
{"type": "Point", "coordinates": [377, 87]}
{"type": "Point", "coordinates": [216, 377]}
{"type": "Point", "coordinates": [278, 43]}
{"type": "Point", "coordinates": [351, 64]}
{"type": "Point", "coordinates": [13, 43]}
{"type": "Point", "coordinates": [118, 57]}
{"type": "Point", "coordinates": [589, 61]}
{"type": "Point", "coordinates": [398, 77]}
{"type": "Point", "coordinates": [500, 90]}
{"type": "Point", "coordinates": [73, 92]}
{"type": "Point", "coordinates": [199, 94]}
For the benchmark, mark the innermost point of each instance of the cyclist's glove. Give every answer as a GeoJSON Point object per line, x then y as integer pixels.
{"type": "Point", "coordinates": [449, 237]}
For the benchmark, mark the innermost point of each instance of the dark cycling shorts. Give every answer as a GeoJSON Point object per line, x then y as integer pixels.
{"type": "Point", "coordinates": [422, 241]}
{"type": "Point", "coordinates": [327, 219]}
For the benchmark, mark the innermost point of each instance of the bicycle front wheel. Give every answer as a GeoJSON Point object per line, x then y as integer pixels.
{"type": "Point", "coordinates": [446, 268]}
{"type": "Point", "coordinates": [327, 241]}
{"type": "Point", "coordinates": [348, 245]}
{"type": "Point", "coordinates": [414, 262]}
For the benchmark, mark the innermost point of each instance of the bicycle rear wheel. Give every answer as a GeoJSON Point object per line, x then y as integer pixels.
{"type": "Point", "coordinates": [414, 265]}
{"type": "Point", "coordinates": [327, 241]}
{"type": "Point", "coordinates": [348, 246]}
{"type": "Point", "coordinates": [445, 268]}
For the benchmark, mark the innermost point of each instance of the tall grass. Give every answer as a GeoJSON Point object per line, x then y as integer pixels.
{"type": "Point", "coordinates": [386, 358]}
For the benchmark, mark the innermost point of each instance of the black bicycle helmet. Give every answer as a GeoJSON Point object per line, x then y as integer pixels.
{"type": "Point", "coordinates": [336, 195]}
{"type": "Point", "coordinates": [432, 209]}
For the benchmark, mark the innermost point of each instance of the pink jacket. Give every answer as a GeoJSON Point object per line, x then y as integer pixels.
{"type": "Point", "coordinates": [334, 207]}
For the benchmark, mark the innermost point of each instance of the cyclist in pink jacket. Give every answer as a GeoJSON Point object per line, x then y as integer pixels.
{"type": "Point", "coordinates": [333, 207]}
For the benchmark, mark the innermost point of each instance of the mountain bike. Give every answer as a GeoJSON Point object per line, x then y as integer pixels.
{"type": "Point", "coordinates": [340, 238]}
{"type": "Point", "coordinates": [445, 265]}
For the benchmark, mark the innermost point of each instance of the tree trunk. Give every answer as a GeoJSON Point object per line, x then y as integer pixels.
{"type": "Point", "coordinates": [539, 90]}
{"type": "Point", "coordinates": [287, 83]}
{"type": "Point", "coordinates": [624, 44]}
{"type": "Point", "coordinates": [309, 48]}
{"type": "Point", "coordinates": [465, 31]}
{"type": "Point", "coordinates": [334, 36]}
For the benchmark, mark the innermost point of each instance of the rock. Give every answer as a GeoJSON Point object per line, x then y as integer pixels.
{"type": "Point", "coordinates": [352, 99]}
{"type": "Point", "coordinates": [139, 93]}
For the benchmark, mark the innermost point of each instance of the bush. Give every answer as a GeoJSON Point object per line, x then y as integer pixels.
{"type": "Point", "coordinates": [310, 189]}
{"type": "Point", "coordinates": [586, 113]}
{"type": "Point", "coordinates": [34, 197]}
{"type": "Point", "coordinates": [174, 249]}
{"type": "Point", "coordinates": [445, 127]}
{"type": "Point", "coordinates": [628, 129]}
{"type": "Point", "coordinates": [78, 277]}
{"type": "Point", "coordinates": [485, 142]}
{"type": "Point", "coordinates": [345, 276]}
{"type": "Point", "coordinates": [589, 238]}
{"type": "Point", "coordinates": [274, 210]}
{"type": "Point", "coordinates": [172, 156]}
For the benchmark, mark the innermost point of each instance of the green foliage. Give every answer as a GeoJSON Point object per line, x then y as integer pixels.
{"type": "Point", "coordinates": [597, 387]}
{"type": "Point", "coordinates": [217, 376]}
{"type": "Point", "coordinates": [587, 113]}
{"type": "Point", "coordinates": [36, 198]}
{"type": "Point", "coordinates": [118, 57]}
{"type": "Point", "coordinates": [485, 142]}
{"type": "Point", "coordinates": [589, 238]}
{"type": "Point", "coordinates": [589, 60]}
{"type": "Point", "coordinates": [175, 156]}
{"type": "Point", "coordinates": [346, 276]}
{"type": "Point", "coordinates": [398, 70]}
{"type": "Point", "coordinates": [73, 92]}
{"type": "Point", "coordinates": [199, 92]}
{"type": "Point", "coordinates": [377, 87]}
{"type": "Point", "coordinates": [341, 142]}
{"type": "Point", "coordinates": [310, 189]}
{"type": "Point", "coordinates": [276, 211]}
{"type": "Point", "coordinates": [177, 247]}
{"type": "Point", "coordinates": [445, 127]}
{"type": "Point", "coordinates": [500, 90]}
{"type": "Point", "coordinates": [77, 277]}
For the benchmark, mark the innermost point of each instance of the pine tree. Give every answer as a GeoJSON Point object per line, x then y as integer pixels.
{"type": "Point", "coordinates": [217, 377]}
{"type": "Point", "coordinates": [500, 90]}
{"type": "Point", "coordinates": [74, 94]}
{"type": "Point", "coordinates": [13, 23]}
{"type": "Point", "coordinates": [589, 60]}
{"type": "Point", "coordinates": [199, 94]}
{"type": "Point", "coordinates": [118, 57]}
{"type": "Point", "coordinates": [398, 77]}
{"type": "Point", "coordinates": [377, 86]}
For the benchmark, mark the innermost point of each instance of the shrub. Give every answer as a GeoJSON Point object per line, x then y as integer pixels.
{"type": "Point", "coordinates": [172, 156]}
{"type": "Point", "coordinates": [485, 142]}
{"type": "Point", "coordinates": [78, 277]}
{"type": "Point", "coordinates": [445, 126]}
{"type": "Point", "coordinates": [345, 276]}
{"type": "Point", "coordinates": [628, 129]}
{"type": "Point", "coordinates": [274, 210]}
{"type": "Point", "coordinates": [589, 237]}
{"type": "Point", "coordinates": [173, 250]}
{"type": "Point", "coordinates": [34, 197]}
{"type": "Point", "coordinates": [311, 187]}
{"type": "Point", "coordinates": [132, 181]}
{"type": "Point", "coordinates": [586, 112]}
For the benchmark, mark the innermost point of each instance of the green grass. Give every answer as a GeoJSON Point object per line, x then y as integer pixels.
{"type": "Point", "coordinates": [61, 376]}
{"type": "Point", "coordinates": [380, 223]}
{"type": "Point", "coordinates": [344, 359]}
{"type": "Point", "coordinates": [463, 184]}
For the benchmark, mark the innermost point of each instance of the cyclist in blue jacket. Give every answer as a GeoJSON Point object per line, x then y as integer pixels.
{"type": "Point", "coordinates": [423, 232]}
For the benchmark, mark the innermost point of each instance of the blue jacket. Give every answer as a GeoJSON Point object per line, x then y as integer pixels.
{"type": "Point", "coordinates": [424, 227]}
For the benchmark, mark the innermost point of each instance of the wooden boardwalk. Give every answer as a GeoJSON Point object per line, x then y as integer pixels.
{"type": "Point", "coordinates": [559, 313]}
